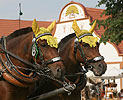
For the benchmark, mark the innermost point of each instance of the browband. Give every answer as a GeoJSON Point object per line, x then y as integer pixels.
{"type": "Point", "coordinates": [40, 35]}
{"type": "Point", "coordinates": [87, 34]}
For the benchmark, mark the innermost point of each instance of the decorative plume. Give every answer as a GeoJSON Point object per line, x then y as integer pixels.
{"type": "Point", "coordinates": [51, 26]}
{"type": "Point", "coordinates": [35, 27]}
{"type": "Point", "coordinates": [51, 41]}
{"type": "Point", "coordinates": [91, 40]}
{"type": "Point", "coordinates": [93, 27]}
{"type": "Point", "coordinates": [76, 27]}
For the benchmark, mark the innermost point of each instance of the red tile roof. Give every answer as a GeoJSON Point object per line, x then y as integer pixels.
{"type": "Point", "coordinates": [120, 48]}
{"type": "Point", "coordinates": [95, 14]}
{"type": "Point", "coordinates": [9, 26]}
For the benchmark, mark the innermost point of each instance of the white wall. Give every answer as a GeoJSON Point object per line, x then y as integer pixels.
{"type": "Point", "coordinates": [109, 52]}
{"type": "Point", "coordinates": [64, 29]}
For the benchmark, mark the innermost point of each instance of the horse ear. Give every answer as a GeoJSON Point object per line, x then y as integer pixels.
{"type": "Point", "coordinates": [35, 27]}
{"type": "Point", "coordinates": [93, 27]}
{"type": "Point", "coordinates": [76, 27]}
{"type": "Point", "coordinates": [51, 26]}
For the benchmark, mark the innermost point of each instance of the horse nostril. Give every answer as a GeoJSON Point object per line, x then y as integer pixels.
{"type": "Point", "coordinates": [59, 70]}
{"type": "Point", "coordinates": [58, 73]}
{"type": "Point", "coordinates": [90, 67]}
{"type": "Point", "coordinates": [100, 65]}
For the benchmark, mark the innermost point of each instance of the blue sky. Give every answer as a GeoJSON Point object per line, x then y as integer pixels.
{"type": "Point", "coordinates": [43, 10]}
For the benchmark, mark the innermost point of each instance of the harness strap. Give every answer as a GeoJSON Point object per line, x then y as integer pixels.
{"type": "Point", "coordinates": [41, 57]}
{"type": "Point", "coordinates": [77, 46]}
{"type": "Point", "coordinates": [8, 77]}
{"type": "Point", "coordinates": [13, 71]}
{"type": "Point", "coordinates": [18, 58]}
{"type": "Point", "coordinates": [53, 60]}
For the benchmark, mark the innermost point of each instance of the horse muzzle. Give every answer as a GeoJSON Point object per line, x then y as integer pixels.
{"type": "Point", "coordinates": [98, 68]}
{"type": "Point", "coordinates": [97, 65]}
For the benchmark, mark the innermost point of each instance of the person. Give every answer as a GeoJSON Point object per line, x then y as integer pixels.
{"type": "Point", "coordinates": [115, 93]}
{"type": "Point", "coordinates": [120, 94]}
{"type": "Point", "coordinates": [87, 93]}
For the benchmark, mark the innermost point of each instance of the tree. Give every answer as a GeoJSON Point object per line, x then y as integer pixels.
{"type": "Point", "coordinates": [113, 25]}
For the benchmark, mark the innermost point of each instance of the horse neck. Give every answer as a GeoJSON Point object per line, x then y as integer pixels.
{"type": "Point", "coordinates": [67, 53]}
{"type": "Point", "coordinates": [21, 46]}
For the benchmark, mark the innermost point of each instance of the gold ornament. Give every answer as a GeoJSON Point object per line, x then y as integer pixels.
{"type": "Point", "coordinates": [72, 9]}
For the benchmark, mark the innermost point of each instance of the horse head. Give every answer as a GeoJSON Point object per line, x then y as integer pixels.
{"type": "Point", "coordinates": [86, 49]}
{"type": "Point", "coordinates": [44, 50]}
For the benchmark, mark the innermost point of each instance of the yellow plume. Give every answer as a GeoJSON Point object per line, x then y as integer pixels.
{"type": "Point", "coordinates": [93, 27]}
{"type": "Point", "coordinates": [51, 26]}
{"type": "Point", "coordinates": [35, 27]}
{"type": "Point", "coordinates": [52, 41]}
{"type": "Point", "coordinates": [91, 40]}
{"type": "Point", "coordinates": [76, 27]}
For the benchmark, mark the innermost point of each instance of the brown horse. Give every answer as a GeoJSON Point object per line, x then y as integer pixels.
{"type": "Point", "coordinates": [23, 61]}
{"type": "Point", "coordinates": [78, 58]}
{"type": "Point", "coordinates": [77, 54]}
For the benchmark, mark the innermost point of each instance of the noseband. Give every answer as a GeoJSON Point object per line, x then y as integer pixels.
{"type": "Point", "coordinates": [85, 62]}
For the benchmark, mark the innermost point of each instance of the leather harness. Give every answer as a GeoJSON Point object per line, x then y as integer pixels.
{"type": "Point", "coordinates": [13, 75]}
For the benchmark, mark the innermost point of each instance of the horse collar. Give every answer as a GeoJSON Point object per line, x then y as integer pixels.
{"type": "Point", "coordinates": [10, 72]}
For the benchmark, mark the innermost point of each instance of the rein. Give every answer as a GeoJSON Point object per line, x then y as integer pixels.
{"type": "Point", "coordinates": [11, 72]}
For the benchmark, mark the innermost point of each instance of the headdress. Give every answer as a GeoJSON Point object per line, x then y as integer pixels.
{"type": "Point", "coordinates": [45, 33]}
{"type": "Point", "coordinates": [85, 35]}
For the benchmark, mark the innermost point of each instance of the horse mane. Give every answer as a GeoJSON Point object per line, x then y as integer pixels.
{"type": "Point", "coordinates": [65, 39]}
{"type": "Point", "coordinates": [19, 32]}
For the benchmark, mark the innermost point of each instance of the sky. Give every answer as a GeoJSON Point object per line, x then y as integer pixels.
{"type": "Point", "coordinates": [42, 10]}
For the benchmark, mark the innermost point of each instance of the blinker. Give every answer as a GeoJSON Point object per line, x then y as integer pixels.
{"type": "Point", "coordinates": [34, 50]}
{"type": "Point", "coordinates": [96, 59]}
{"type": "Point", "coordinates": [56, 59]}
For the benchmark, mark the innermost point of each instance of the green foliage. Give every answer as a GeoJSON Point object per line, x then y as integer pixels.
{"type": "Point", "coordinates": [113, 25]}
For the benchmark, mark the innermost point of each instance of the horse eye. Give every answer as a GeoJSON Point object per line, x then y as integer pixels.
{"type": "Point", "coordinates": [43, 45]}
{"type": "Point", "coordinates": [85, 44]}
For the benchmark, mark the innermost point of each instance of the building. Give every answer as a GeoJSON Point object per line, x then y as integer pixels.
{"type": "Point", "coordinates": [112, 53]}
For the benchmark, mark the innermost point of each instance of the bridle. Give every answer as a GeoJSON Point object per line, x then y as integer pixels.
{"type": "Point", "coordinates": [85, 66]}
{"type": "Point", "coordinates": [37, 51]}
{"type": "Point", "coordinates": [86, 62]}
